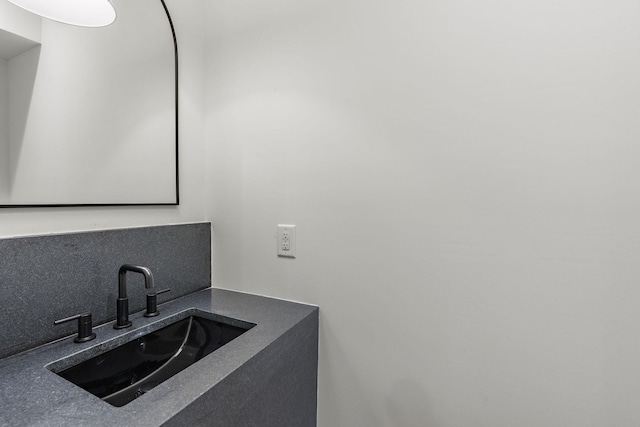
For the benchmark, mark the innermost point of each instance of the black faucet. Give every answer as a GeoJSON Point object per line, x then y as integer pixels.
{"type": "Point", "coordinates": [122, 303]}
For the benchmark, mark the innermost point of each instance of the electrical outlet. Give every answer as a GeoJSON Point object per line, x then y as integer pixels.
{"type": "Point", "coordinates": [286, 241]}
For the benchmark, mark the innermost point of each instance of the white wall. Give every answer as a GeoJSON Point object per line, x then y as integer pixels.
{"type": "Point", "coordinates": [464, 176]}
{"type": "Point", "coordinates": [18, 24]}
{"type": "Point", "coordinates": [189, 22]}
{"type": "Point", "coordinates": [18, 21]}
{"type": "Point", "coordinates": [4, 125]}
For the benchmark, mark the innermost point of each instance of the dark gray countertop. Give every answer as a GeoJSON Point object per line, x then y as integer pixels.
{"type": "Point", "coordinates": [32, 395]}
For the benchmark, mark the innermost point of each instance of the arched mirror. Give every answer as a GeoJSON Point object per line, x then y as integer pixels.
{"type": "Point", "coordinates": [88, 116]}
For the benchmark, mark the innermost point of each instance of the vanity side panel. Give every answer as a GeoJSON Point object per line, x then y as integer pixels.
{"type": "Point", "coordinates": [276, 388]}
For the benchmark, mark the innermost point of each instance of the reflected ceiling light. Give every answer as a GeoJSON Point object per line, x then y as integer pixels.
{"type": "Point", "coordinates": [83, 13]}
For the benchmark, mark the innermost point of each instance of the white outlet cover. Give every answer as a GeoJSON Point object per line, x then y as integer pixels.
{"type": "Point", "coordinates": [286, 241]}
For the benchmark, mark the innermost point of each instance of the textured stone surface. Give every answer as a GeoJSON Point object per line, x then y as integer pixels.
{"type": "Point", "coordinates": [265, 377]}
{"type": "Point", "coordinates": [273, 389]}
{"type": "Point", "coordinates": [44, 278]}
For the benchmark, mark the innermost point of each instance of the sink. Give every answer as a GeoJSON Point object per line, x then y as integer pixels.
{"type": "Point", "coordinates": [125, 373]}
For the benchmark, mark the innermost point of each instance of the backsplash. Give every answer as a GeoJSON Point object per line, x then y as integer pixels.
{"type": "Point", "coordinates": [44, 278]}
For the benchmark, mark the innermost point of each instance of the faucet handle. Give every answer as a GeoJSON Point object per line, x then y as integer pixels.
{"type": "Point", "coordinates": [85, 327]}
{"type": "Point", "coordinates": [152, 303]}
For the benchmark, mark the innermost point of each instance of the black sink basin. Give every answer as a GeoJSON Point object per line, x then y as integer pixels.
{"type": "Point", "coordinates": [132, 369]}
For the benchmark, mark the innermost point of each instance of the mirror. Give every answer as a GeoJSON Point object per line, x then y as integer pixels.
{"type": "Point", "coordinates": [89, 116]}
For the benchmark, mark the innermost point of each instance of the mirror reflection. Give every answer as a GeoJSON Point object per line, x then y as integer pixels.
{"type": "Point", "coordinates": [88, 116]}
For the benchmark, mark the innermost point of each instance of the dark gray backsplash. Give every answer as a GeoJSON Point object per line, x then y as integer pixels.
{"type": "Point", "coordinates": [44, 278]}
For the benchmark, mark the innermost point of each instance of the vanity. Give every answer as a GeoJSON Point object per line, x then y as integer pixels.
{"type": "Point", "coordinates": [264, 377]}
{"type": "Point", "coordinates": [265, 374]}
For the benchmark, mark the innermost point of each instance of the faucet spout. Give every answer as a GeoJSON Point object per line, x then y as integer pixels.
{"type": "Point", "coordinates": [122, 278]}
{"type": "Point", "coordinates": [122, 303]}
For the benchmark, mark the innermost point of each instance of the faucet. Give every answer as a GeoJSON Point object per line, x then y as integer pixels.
{"type": "Point", "coordinates": [122, 303]}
